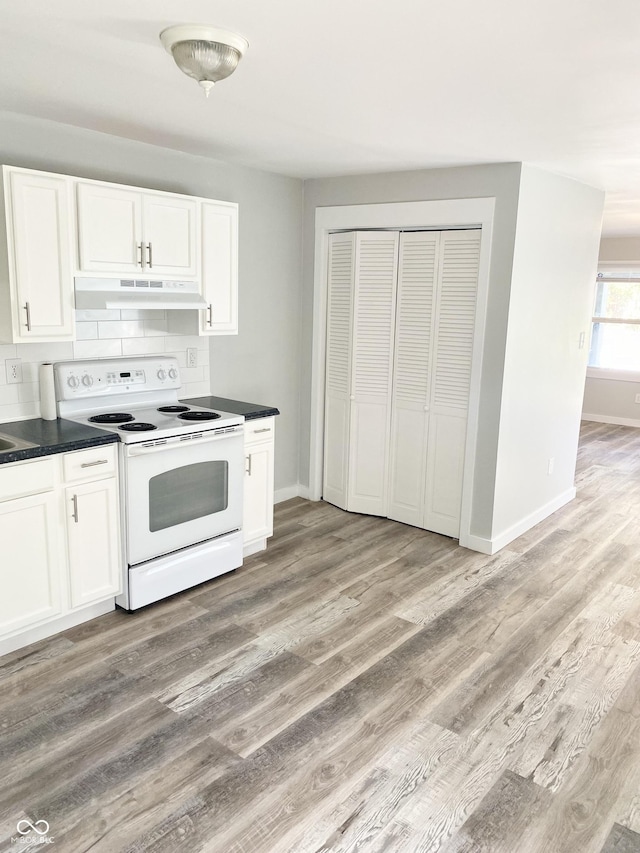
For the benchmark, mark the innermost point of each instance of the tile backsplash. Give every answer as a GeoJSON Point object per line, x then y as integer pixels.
{"type": "Point", "coordinates": [101, 334]}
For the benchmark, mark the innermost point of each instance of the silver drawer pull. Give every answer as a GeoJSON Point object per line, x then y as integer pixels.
{"type": "Point", "coordinates": [91, 464]}
{"type": "Point", "coordinates": [27, 308]}
{"type": "Point", "coordinates": [75, 508]}
{"type": "Point", "coordinates": [264, 429]}
{"type": "Point", "coordinates": [247, 470]}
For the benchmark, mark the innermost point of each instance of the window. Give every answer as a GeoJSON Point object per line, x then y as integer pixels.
{"type": "Point", "coordinates": [615, 335]}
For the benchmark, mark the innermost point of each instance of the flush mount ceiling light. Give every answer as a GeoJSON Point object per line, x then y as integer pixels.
{"type": "Point", "coordinates": [205, 53]}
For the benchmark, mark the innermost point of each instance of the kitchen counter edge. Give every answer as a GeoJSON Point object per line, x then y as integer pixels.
{"type": "Point", "coordinates": [51, 437]}
{"type": "Point", "coordinates": [250, 411]}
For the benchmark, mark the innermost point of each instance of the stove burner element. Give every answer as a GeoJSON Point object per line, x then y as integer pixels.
{"type": "Point", "coordinates": [138, 426]}
{"type": "Point", "coordinates": [111, 418]}
{"type": "Point", "coordinates": [199, 416]}
{"type": "Point", "coordinates": [172, 409]}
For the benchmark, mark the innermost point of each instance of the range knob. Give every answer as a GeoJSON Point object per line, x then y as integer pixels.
{"type": "Point", "coordinates": [87, 380]}
{"type": "Point", "coordinates": [73, 382]}
{"type": "Point", "coordinates": [162, 375]}
{"type": "Point", "coordinates": [173, 373]}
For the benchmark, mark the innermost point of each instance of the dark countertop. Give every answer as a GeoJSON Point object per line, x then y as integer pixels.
{"type": "Point", "coordinates": [236, 407]}
{"type": "Point", "coordinates": [57, 436]}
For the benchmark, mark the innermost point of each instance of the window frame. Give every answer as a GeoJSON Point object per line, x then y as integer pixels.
{"type": "Point", "coordinates": [624, 276]}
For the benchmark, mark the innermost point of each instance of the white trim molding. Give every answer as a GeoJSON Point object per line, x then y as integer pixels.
{"type": "Point", "coordinates": [440, 215]}
{"type": "Point", "coordinates": [496, 543]}
{"type": "Point", "coordinates": [611, 419]}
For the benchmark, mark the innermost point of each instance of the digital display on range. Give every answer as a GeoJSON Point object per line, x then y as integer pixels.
{"type": "Point", "coordinates": [125, 375]}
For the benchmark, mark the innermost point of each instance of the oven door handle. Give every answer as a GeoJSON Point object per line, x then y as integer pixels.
{"type": "Point", "coordinates": [173, 443]}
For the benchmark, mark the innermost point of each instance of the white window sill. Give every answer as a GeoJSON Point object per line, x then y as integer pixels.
{"type": "Point", "coordinates": [610, 373]}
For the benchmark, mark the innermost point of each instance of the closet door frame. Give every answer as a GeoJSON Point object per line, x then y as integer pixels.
{"type": "Point", "coordinates": [439, 215]}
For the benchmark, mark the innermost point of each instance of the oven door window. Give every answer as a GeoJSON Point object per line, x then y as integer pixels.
{"type": "Point", "coordinates": [187, 493]}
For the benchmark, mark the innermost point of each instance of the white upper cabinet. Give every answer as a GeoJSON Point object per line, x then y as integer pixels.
{"type": "Point", "coordinates": [219, 268]}
{"type": "Point", "coordinates": [123, 230]}
{"type": "Point", "coordinates": [38, 301]}
{"type": "Point", "coordinates": [109, 229]}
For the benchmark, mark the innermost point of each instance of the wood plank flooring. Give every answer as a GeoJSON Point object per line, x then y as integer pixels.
{"type": "Point", "coordinates": [360, 687]}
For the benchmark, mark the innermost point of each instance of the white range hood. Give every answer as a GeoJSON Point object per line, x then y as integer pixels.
{"type": "Point", "coordinates": [102, 293]}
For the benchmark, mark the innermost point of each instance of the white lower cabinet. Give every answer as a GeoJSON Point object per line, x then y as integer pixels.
{"type": "Point", "coordinates": [61, 556]}
{"type": "Point", "coordinates": [92, 533]}
{"type": "Point", "coordinates": [31, 583]}
{"type": "Point", "coordinates": [258, 484]}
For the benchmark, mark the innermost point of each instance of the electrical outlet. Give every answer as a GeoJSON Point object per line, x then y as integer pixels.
{"type": "Point", "coordinates": [192, 357]}
{"type": "Point", "coordinates": [13, 367]}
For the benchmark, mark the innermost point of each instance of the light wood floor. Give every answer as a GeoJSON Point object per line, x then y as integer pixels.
{"type": "Point", "coordinates": [361, 686]}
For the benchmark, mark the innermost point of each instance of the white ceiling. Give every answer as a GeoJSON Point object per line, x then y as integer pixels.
{"type": "Point", "coordinates": [333, 87]}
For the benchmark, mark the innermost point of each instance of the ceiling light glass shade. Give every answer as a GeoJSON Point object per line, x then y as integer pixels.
{"type": "Point", "coordinates": [205, 53]}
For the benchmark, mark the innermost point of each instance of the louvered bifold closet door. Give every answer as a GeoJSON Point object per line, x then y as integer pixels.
{"type": "Point", "coordinates": [341, 271]}
{"type": "Point", "coordinates": [455, 309]}
{"type": "Point", "coordinates": [415, 316]}
{"type": "Point", "coordinates": [375, 276]}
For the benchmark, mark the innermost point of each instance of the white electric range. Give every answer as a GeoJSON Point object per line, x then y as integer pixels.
{"type": "Point", "coordinates": [181, 471]}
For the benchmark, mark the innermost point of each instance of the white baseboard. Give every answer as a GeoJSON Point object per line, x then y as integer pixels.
{"type": "Point", "coordinates": [288, 492]}
{"type": "Point", "coordinates": [496, 543]}
{"type": "Point", "coordinates": [612, 419]}
{"type": "Point", "coordinates": [61, 623]}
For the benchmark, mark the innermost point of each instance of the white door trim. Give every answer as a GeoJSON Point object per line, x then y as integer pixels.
{"type": "Point", "coordinates": [440, 214]}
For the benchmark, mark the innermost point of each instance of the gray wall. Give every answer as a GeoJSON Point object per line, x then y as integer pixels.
{"type": "Point", "coordinates": [260, 364]}
{"type": "Point", "coordinates": [502, 182]}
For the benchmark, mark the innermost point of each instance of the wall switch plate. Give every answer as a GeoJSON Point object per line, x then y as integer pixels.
{"type": "Point", "coordinates": [637, 398]}
{"type": "Point", "coordinates": [13, 367]}
{"type": "Point", "coordinates": [551, 464]}
{"type": "Point", "coordinates": [581, 340]}
{"type": "Point", "coordinates": [192, 357]}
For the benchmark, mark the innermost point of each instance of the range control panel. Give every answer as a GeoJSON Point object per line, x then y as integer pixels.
{"type": "Point", "coordinates": [99, 377]}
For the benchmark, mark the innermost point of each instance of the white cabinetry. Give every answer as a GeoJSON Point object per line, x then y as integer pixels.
{"type": "Point", "coordinates": [61, 556]}
{"type": "Point", "coordinates": [219, 268]}
{"type": "Point", "coordinates": [401, 321]}
{"type": "Point", "coordinates": [31, 547]}
{"type": "Point", "coordinates": [258, 484]}
{"type": "Point", "coordinates": [92, 525]}
{"type": "Point", "coordinates": [124, 230]}
{"type": "Point", "coordinates": [37, 294]}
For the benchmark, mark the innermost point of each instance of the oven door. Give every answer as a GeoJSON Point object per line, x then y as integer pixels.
{"type": "Point", "coordinates": [182, 490]}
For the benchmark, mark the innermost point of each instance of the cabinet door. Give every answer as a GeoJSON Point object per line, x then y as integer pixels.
{"type": "Point", "coordinates": [258, 491]}
{"type": "Point", "coordinates": [169, 226]}
{"type": "Point", "coordinates": [38, 225]}
{"type": "Point", "coordinates": [109, 229]}
{"type": "Point", "coordinates": [219, 272]}
{"type": "Point", "coordinates": [415, 316]}
{"type": "Point", "coordinates": [372, 369]}
{"type": "Point", "coordinates": [454, 328]}
{"type": "Point", "coordinates": [94, 552]}
{"type": "Point", "coordinates": [31, 561]}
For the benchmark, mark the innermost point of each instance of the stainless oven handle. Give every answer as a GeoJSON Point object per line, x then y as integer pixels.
{"type": "Point", "coordinates": [174, 443]}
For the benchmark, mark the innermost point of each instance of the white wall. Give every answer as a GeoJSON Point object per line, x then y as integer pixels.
{"type": "Point", "coordinates": [614, 400]}
{"type": "Point", "coordinates": [261, 363]}
{"type": "Point", "coordinates": [554, 267]}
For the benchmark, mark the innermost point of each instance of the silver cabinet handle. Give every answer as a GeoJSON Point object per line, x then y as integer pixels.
{"type": "Point", "coordinates": [141, 259]}
{"type": "Point", "coordinates": [75, 508]}
{"type": "Point", "coordinates": [210, 315]}
{"type": "Point", "coordinates": [91, 464]}
{"type": "Point", "coordinates": [264, 429]}
{"type": "Point", "coordinates": [248, 468]}
{"type": "Point", "coordinates": [150, 252]}
{"type": "Point", "coordinates": [27, 308]}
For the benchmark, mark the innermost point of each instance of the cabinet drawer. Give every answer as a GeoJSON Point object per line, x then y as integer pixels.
{"type": "Point", "coordinates": [27, 478]}
{"type": "Point", "coordinates": [90, 464]}
{"type": "Point", "coordinates": [260, 429]}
